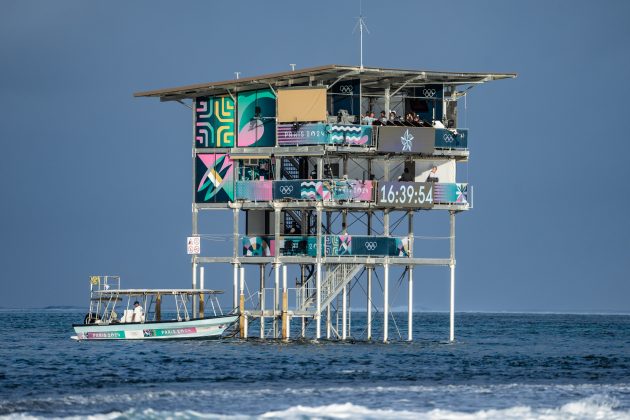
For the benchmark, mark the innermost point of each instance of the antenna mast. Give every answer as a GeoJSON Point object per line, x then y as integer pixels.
{"type": "Point", "coordinates": [361, 24]}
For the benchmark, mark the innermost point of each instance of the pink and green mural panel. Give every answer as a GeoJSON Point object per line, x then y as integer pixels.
{"type": "Point", "coordinates": [310, 134]}
{"type": "Point", "coordinates": [332, 246]}
{"type": "Point", "coordinates": [258, 246]}
{"type": "Point", "coordinates": [214, 122]}
{"type": "Point", "coordinates": [340, 245]}
{"type": "Point", "coordinates": [323, 190]}
{"type": "Point", "coordinates": [214, 178]}
{"type": "Point", "coordinates": [450, 193]}
{"type": "Point", "coordinates": [254, 190]}
{"type": "Point", "coordinates": [256, 119]}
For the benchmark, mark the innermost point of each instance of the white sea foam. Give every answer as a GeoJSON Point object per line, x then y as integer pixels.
{"type": "Point", "coordinates": [595, 407]}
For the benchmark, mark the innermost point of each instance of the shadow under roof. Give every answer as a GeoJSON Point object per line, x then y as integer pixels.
{"type": "Point", "coordinates": [371, 77]}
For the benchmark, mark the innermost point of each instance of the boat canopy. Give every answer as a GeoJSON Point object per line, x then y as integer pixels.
{"type": "Point", "coordinates": [158, 292]}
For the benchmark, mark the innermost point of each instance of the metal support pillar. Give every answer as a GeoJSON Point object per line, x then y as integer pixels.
{"type": "Point", "coordinates": [369, 274]}
{"type": "Point", "coordinates": [410, 304]}
{"type": "Point", "coordinates": [386, 222]}
{"type": "Point", "coordinates": [452, 267]}
{"type": "Point", "coordinates": [410, 273]}
{"type": "Point", "coordinates": [328, 322]}
{"type": "Point", "coordinates": [387, 99]}
{"type": "Point", "coordinates": [318, 283]}
{"type": "Point", "coordinates": [241, 306]}
{"type": "Point", "coordinates": [344, 312]}
{"type": "Point", "coordinates": [285, 304]}
{"type": "Point", "coordinates": [262, 300]}
{"type": "Point", "coordinates": [276, 299]}
{"type": "Point", "coordinates": [369, 303]}
{"type": "Point", "coordinates": [385, 301]}
{"type": "Point", "coordinates": [202, 286]}
{"type": "Point", "coordinates": [277, 267]}
{"type": "Point", "coordinates": [194, 286]}
{"type": "Point", "coordinates": [235, 287]}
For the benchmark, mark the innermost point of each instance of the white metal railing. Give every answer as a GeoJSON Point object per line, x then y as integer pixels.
{"type": "Point", "coordinates": [331, 285]}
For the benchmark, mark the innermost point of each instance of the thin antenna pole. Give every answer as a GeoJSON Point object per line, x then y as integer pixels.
{"type": "Point", "coordinates": [361, 36]}
{"type": "Point", "coordinates": [361, 24]}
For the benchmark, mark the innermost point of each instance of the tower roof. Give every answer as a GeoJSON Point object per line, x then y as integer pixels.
{"type": "Point", "coordinates": [375, 78]}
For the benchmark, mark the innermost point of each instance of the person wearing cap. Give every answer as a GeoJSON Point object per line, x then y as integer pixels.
{"type": "Point", "coordinates": [138, 312]}
{"type": "Point", "coordinates": [433, 175]}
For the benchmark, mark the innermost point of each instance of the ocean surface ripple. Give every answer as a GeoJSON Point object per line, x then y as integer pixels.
{"type": "Point", "coordinates": [502, 366]}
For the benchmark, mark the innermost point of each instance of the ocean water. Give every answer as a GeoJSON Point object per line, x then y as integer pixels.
{"type": "Point", "coordinates": [502, 366]}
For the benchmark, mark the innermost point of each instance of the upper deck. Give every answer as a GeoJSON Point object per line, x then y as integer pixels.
{"type": "Point", "coordinates": [325, 133]}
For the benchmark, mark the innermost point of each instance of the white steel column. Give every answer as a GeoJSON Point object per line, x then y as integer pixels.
{"type": "Point", "coordinates": [328, 322]}
{"type": "Point", "coordinates": [241, 306]}
{"type": "Point", "coordinates": [235, 287]}
{"type": "Point", "coordinates": [452, 267]}
{"type": "Point", "coordinates": [276, 299]}
{"type": "Point", "coordinates": [410, 305]}
{"type": "Point", "coordinates": [285, 315]}
{"type": "Point", "coordinates": [369, 303]}
{"type": "Point", "coordinates": [194, 286]}
{"type": "Point", "coordinates": [262, 300]}
{"type": "Point", "coordinates": [318, 284]}
{"type": "Point", "coordinates": [385, 301]}
{"type": "Point", "coordinates": [344, 316]}
{"type": "Point", "coordinates": [318, 287]}
{"type": "Point", "coordinates": [202, 286]}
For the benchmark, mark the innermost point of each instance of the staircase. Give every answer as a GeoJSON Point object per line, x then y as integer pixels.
{"type": "Point", "coordinates": [331, 286]}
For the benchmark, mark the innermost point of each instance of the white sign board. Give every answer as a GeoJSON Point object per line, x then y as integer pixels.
{"type": "Point", "coordinates": [194, 245]}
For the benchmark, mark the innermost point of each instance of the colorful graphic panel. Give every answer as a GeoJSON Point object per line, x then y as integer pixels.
{"type": "Point", "coordinates": [214, 178]}
{"type": "Point", "coordinates": [214, 123]}
{"type": "Point", "coordinates": [258, 246]}
{"type": "Point", "coordinates": [254, 190]}
{"type": "Point", "coordinates": [299, 245]}
{"type": "Point", "coordinates": [342, 245]}
{"type": "Point", "coordinates": [256, 118]}
{"type": "Point", "coordinates": [335, 245]}
{"type": "Point", "coordinates": [309, 134]}
{"type": "Point", "coordinates": [406, 139]}
{"type": "Point", "coordinates": [451, 193]}
{"type": "Point", "coordinates": [332, 246]}
{"type": "Point", "coordinates": [451, 139]}
{"type": "Point", "coordinates": [322, 190]}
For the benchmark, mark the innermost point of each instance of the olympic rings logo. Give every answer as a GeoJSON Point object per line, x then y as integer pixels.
{"type": "Point", "coordinates": [286, 189]}
{"type": "Point", "coordinates": [345, 88]}
{"type": "Point", "coordinates": [448, 138]}
{"type": "Point", "coordinates": [370, 246]}
{"type": "Point", "coordinates": [429, 93]}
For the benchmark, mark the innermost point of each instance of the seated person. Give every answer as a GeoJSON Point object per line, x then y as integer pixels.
{"type": "Point", "coordinates": [368, 119]}
{"type": "Point", "coordinates": [406, 176]}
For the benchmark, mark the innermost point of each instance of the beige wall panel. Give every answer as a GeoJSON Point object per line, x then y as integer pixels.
{"type": "Point", "coordinates": [302, 105]}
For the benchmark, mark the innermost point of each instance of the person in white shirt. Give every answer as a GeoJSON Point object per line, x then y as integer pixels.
{"type": "Point", "coordinates": [138, 312]}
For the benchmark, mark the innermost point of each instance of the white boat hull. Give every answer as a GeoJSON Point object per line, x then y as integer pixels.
{"type": "Point", "coordinates": [197, 328]}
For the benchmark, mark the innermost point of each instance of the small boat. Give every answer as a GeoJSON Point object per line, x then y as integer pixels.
{"type": "Point", "coordinates": [102, 322]}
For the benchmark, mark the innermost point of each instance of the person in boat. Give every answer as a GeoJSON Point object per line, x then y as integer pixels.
{"type": "Point", "coordinates": [138, 312]}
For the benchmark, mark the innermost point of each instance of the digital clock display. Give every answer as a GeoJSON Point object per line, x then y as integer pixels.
{"type": "Point", "coordinates": [406, 194]}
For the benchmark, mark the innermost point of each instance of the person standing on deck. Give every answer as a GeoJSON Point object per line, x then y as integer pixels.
{"type": "Point", "coordinates": [138, 312]}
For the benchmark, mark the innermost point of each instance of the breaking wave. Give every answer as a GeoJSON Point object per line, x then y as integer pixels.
{"type": "Point", "coordinates": [595, 407]}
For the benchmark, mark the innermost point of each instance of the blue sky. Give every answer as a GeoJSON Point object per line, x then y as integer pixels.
{"type": "Point", "coordinates": [95, 181]}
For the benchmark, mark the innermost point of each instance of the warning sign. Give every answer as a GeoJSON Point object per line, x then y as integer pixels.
{"type": "Point", "coordinates": [194, 245]}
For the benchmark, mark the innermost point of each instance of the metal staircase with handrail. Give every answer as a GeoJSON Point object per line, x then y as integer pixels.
{"type": "Point", "coordinates": [331, 286]}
